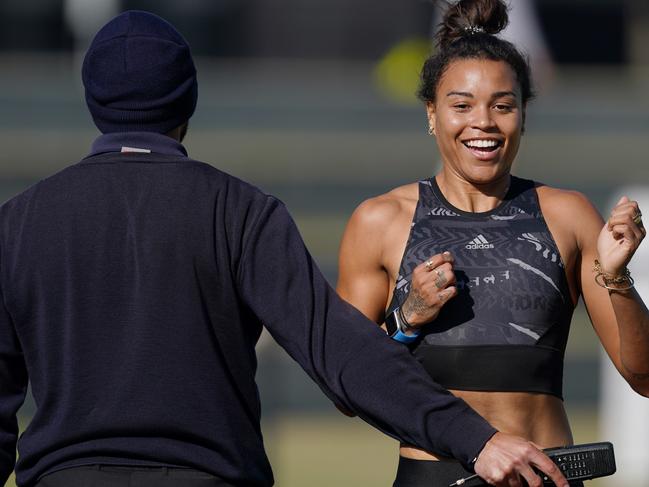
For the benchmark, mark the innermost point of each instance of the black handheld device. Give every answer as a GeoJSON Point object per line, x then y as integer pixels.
{"type": "Point", "coordinates": [583, 462]}
{"type": "Point", "coordinates": [577, 462]}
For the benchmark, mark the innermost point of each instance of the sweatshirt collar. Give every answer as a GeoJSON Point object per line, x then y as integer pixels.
{"type": "Point", "coordinates": [137, 142]}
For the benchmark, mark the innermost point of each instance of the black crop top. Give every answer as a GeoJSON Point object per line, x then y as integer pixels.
{"type": "Point", "coordinates": [507, 328]}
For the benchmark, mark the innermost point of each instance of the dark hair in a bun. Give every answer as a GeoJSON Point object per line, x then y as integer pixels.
{"type": "Point", "coordinates": [488, 16]}
{"type": "Point", "coordinates": [468, 31]}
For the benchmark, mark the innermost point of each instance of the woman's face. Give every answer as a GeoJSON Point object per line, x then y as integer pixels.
{"type": "Point", "coordinates": [478, 119]}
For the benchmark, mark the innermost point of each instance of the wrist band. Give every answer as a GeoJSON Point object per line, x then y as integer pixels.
{"type": "Point", "coordinates": [622, 282]}
{"type": "Point", "coordinates": [396, 326]}
{"type": "Point", "coordinates": [403, 338]}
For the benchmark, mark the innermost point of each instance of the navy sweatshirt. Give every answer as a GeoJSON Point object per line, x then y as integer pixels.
{"type": "Point", "coordinates": [133, 288]}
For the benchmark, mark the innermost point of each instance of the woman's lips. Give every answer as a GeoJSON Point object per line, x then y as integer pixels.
{"type": "Point", "coordinates": [483, 150]}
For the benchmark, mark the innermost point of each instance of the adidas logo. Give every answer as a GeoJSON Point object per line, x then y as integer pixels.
{"type": "Point", "coordinates": [479, 243]}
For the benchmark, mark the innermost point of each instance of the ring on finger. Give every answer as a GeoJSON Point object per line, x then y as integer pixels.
{"type": "Point", "coordinates": [429, 265]}
{"type": "Point", "coordinates": [637, 219]}
{"type": "Point", "coordinates": [439, 272]}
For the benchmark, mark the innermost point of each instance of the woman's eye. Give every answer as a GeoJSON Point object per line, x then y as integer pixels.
{"type": "Point", "coordinates": [462, 106]}
{"type": "Point", "coordinates": [501, 107]}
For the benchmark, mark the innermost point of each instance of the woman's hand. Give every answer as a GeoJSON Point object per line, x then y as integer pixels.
{"type": "Point", "coordinates": [620, 237]}
{"type": "Point", "coordinates": [432, 285]}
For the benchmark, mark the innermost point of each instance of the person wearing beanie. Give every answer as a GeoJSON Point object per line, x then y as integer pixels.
{"type": "Point", "coordinates": [139, 76]}
{"type": "Point", "coordinates": [133, 288]}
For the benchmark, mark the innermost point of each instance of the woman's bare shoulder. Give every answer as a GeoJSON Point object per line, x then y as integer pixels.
{"type": "Point", "coordinates": [571, 216]}
{"type": "Point", "coordinates": [562, 202]}
{"type": "Point", "coordinates": [388, 207]}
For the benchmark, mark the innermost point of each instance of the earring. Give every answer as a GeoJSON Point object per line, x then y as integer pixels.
{"type": "Point", "coordinates": [431, 130]}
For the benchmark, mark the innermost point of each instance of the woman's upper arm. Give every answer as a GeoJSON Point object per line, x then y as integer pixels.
{"type": "Point", "coordinates": [362, 278]}
{"type": "Point", "coordinates": [596, 298]}
{"type": "Point", "coordinates": [575, 225]}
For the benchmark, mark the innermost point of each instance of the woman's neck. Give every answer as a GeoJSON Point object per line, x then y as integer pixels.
{"type": "Point", "coordinates": [469, 197]}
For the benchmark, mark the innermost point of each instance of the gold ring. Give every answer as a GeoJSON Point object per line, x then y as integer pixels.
{"type": "Point", "coordinates": [638, 218]}
{"type": "Point", "coordinates": [429, 265]}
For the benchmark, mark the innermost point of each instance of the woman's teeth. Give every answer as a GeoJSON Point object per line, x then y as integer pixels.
{"type": "Point", "coordinates": [482, 144]}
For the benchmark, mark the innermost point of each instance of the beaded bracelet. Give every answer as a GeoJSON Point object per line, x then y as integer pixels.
{"type": "Point", "coordinates": [612, 282]}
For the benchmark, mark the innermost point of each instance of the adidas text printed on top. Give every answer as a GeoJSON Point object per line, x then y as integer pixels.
{"type": "Point", "coordinates": [480, 242]}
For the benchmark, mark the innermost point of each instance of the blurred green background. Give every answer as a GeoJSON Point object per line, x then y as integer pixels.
{"type": "Point", "coordinates": [313, 102]}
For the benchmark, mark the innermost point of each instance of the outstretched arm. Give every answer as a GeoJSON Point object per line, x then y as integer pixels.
{"type": "Point", "coordinates": [354, 362]}
{"type": "Point", "coordinates": [351, 359]}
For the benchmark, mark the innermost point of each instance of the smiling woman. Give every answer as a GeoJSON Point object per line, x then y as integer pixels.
{"type": "Point", "coordinates": [479, 271]}
{"type": "Point", "coordinates": [478, 121]}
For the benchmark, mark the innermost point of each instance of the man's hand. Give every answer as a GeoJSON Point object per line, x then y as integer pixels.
{"type": "Point", "coordinates": [506, 460]}
{"type": "Point", "coordinates": [432, 285]}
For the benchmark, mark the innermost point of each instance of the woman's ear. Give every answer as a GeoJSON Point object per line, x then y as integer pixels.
{"type": "Point", "coordinates": [430, 112]}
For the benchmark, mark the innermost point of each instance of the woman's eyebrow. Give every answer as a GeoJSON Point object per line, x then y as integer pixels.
{"type": "Point", "coordinates": [497, 94]}
{"type": "Point", "coordinates": [460, 93]}
{"type": "Point", "coordinates": [500, 94]}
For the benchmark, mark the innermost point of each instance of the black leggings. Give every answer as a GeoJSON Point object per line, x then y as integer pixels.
{"type": "Point", "coordinates": [114, 476]}
{"type": "Point", "coordinates": [423, 473]}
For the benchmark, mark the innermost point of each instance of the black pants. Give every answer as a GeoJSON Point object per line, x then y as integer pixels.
{"type": "Point", "coordinates": [113, 476]}
{"type": "Point", "coordinates": [422, 473]}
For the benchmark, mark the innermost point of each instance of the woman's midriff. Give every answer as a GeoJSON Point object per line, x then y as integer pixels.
{"type": "Point", "coordinates": [540, 418]}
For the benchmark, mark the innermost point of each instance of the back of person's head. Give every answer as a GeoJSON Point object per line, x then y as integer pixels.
{"type": "Point", "coordinates": [139, 75]}
{"type": "Point", "coordinates": [468, 31]}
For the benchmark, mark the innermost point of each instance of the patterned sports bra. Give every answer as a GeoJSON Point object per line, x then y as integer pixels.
{"type": "Point", "coordinates": [507, 328]}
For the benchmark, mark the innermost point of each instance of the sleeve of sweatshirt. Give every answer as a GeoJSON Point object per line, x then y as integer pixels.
{"type": "Point", "coordinates": [13, 387]}
{"type": "Point", "coordinates": [350, 358]}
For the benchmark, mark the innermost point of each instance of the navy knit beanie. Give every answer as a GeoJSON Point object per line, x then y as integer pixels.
{"type": "Point", "coordinates": [139, 75]}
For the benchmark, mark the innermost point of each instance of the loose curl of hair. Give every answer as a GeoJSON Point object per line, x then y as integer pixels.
{"type": "Point", "coordinates": [468, 31]}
